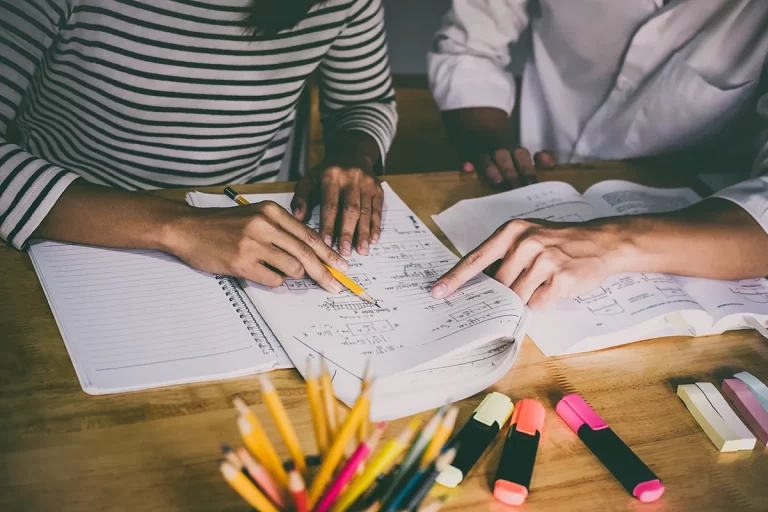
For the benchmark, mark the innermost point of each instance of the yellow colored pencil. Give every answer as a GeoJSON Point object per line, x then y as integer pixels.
{"type": "Point", "coordinates": [442, 434]}
{"type": "Point", "coordinates": [336, 450]}
{"type": "Point", "coordinates": [337, 274]}
{"type": "Point", "coordinates": [257, 442]}
{"type": "Point", "coordinates": [315, 398]}
{"type": "Point", "coordinates": [242, 486]}
{"type": "Point", "coordinates": [365, 425]}
{"type": "Point", "coordinates": [377, 465]}
{"type": "Point", "coordinates": [329, 401]}
{"type": "Point", "coordinates": [283, 422]}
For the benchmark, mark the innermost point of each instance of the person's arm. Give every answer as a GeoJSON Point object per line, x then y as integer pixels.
{"type": "Point", "coordinates": [722, 237]}
{"type": "Point", "coordinates": [473, 85]}
{"type": "Point", "coordinates": [29, 186]}
{"type": "Point", "coordinates": [357, 106]}
{"type": "Point", "coordinates": [545, 261]}
{"type": "Point", "coordinates": [42, 200]}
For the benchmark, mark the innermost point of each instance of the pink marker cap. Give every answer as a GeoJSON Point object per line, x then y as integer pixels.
{"type": "Point", "coordinates": [649, 491]}
{"type": "Point", "coordinates": [576, 412]}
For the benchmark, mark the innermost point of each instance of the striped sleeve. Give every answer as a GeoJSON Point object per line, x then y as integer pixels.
{"type": "Point", "coordinates": [355, 79]}
{"type": "Point", "coordinates": [29, 186]}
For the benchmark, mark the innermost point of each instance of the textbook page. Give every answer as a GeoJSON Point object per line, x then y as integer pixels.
{"type": "Point", "coordinates": [721, 299]}
{"type": "Point", "coordinates": [591, 321]}
{"type": "Point", "coordinates": [137, 319]}
{"type": "Point", "coordinates": [616, 197]}
{"type": "Point", "coordinates": [409, 328]}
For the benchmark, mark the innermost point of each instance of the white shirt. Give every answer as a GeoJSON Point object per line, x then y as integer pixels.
{"type": "Point", "coordinates": [610, 80]}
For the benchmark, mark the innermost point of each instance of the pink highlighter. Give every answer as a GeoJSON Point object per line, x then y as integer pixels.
{"type": "Point", "coordinates": [616, 456]}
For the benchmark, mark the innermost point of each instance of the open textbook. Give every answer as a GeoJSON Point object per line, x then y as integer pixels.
{"type": "Point", "coordinates": [626, 307]}
{"type": "Point", "coordinates": [426, 350]}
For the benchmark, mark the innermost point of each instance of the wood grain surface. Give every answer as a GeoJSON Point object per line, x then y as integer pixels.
{"type": "Point", "coordinates": [157, 450]}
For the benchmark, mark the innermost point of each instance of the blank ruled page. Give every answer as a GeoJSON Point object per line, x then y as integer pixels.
{"type": "Point", "coordinates": [134, 319]}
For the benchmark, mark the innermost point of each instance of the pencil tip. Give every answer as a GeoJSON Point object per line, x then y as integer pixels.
{"type": "Point", "coordinates": [266, 384]}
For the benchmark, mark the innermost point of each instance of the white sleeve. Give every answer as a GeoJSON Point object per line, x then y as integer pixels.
{"type": "Point", "coordinates": [469, 65]}
{"type": "Point", "coordinates": [752, 195]}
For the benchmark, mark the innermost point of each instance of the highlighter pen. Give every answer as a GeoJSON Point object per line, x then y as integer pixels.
{"type": "Point", "coordinates": [616, 456]}
{"type": "Point", "coordinates": [513, 478]}
{"type": "Point", "coordinates": [475, 436]}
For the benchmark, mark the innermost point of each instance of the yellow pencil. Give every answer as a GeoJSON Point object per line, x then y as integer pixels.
{"type": "Point", "coordinates": [336, 450]}
{"type": "Point", "coordinates": [315, 399]}
{"type": "Point", "coordinates": [329, 402]}
{"type": "Point", "coordinates": [365, 425]}
{"type": "Point", "coordinates": [442, 434]}
{"type": "Point", "coordinates": [284, 425]}
{"type": "Point", "coordinates": [378, 465]}
{"type": "Point", "coordinates": [242, 486]}
{"type": "Point", "coordinates": [257, 442]}
{"type": "Point", "coordinates": [338, 275]}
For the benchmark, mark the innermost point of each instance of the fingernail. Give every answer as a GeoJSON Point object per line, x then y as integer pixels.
{"type": "Point", "coordinates": [342, 265]}
{"type": "Point", "coordinates": [346, 248]}
{"type": "Point", "coordinates": [364, 247]}
{"type": "Point", "coordinates": [327, 240]}
{"type": "Point", "coordinates": [467, 167]}
{"type": "Point", "coordinates": [296, 212]}
{"type": "Point", "coordinates": [337, 286]}
{"type": "Point", "coordinates": [438, 291]}
{"type": "Point", "coordinates": [374, 239]}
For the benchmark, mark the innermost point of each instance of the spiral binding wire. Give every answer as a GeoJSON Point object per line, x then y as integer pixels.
{"type": "Point", "coordinates": [231, 290]}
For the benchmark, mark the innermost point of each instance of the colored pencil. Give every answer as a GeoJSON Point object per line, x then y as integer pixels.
{"type": "Point", "coordinates": [410, 462]}
{"type": "Point", "coordinates": [336, 450]}
{"type": "Point", "coordinates": [427, 481]}
{"type": "Point", "coordinates": [442, 434]}
{"type": "Point", "coordinates": [365, 426]}
{"type": "Point", "coordinates": [350, 468]}
{"type": "Point", "coordinates": [298, 491]}
{"type": "Point", "coordinates": [329, 401]}
{"type": "Point", "coordinates": [315, 398]}
{"type": "Point", "coordinates": [262, 451]}
{"type": "Point", "coordinates": [242, 486]}
{"type": "Point", "coordinates": [283, 422]}
{"type": "Point", "coordinates": [256, 440]}
{"type": "Point", "coordinates": [261, 476]}
{"type": "Point", "coordinates": [380, 463]}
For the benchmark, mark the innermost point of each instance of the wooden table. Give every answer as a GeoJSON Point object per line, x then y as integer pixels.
{"type": "Point", "coordinates": [157, 450]}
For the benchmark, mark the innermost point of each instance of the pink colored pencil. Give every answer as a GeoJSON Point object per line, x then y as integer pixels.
{"type": "Point", "coordinates": [262, 478]}
{"type": "Point", "coordinates": [350, 469]}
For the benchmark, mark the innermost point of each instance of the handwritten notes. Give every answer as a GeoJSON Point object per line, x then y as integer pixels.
{"type": "Point", "coordinates": [409, 329]}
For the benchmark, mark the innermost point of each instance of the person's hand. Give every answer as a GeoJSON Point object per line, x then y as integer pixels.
{"type": "Point", "coordinates": [481, 137]}
{"type": "Point", "coordinates": [350, 197]}
{"type": "Point", "coordinates": [541, 261]}
{"type": "Point", "coordinates": [260, 242]}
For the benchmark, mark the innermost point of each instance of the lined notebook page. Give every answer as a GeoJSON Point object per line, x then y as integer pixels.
{"type": "Point", "coordinates": [135, 319]}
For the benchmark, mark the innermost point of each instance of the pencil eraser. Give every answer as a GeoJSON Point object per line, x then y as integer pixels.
{"type": "Point", "coordinates": [649, 491]}
{"type": "Point", "coordinates": [509, 493]}
{"type": "Point", "coordinates": [450, 477]}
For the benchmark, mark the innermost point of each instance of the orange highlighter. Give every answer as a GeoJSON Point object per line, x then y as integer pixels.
{"type": "Point", "coordinates": [513, 478]}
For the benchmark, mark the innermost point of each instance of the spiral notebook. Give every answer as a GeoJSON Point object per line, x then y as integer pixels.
{"type": "Point", "coordinates": [138, 319]}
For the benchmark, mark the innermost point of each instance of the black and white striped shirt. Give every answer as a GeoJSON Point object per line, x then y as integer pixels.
{"type": "Point", "coordinates": [142, 94]}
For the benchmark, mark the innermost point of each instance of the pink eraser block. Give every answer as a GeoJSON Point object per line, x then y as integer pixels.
{"type": "Point", "coordinates": [750, 409]}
